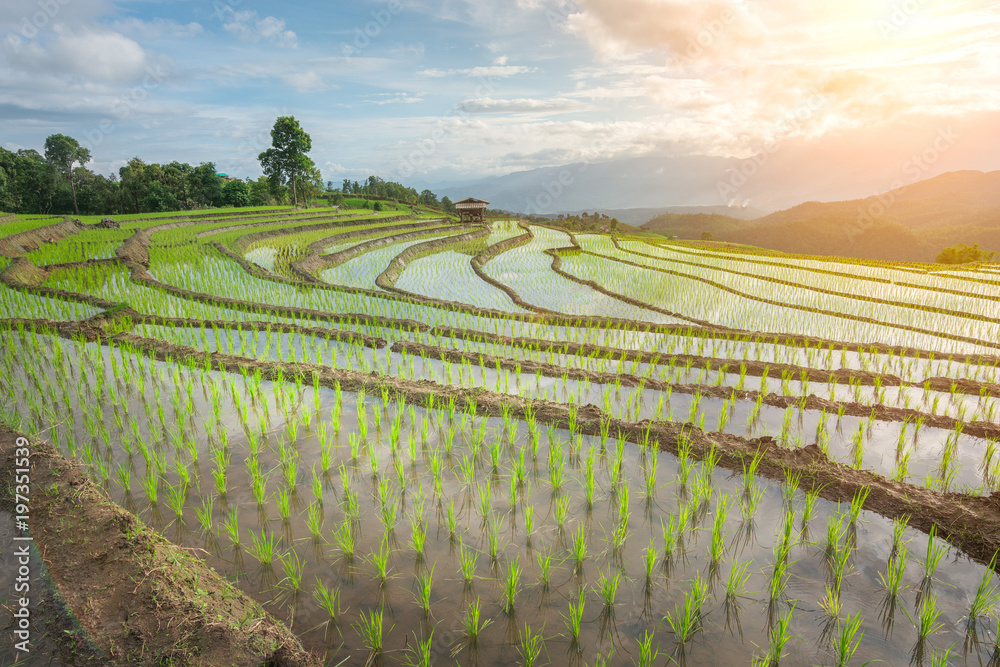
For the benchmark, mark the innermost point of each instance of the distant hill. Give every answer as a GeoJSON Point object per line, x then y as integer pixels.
{"type": "Point", "coordinates": [913, 223]}
{"type": "Point", "coordinates": [694, 225]}
{"type": "Point", "coordinates": [639, 216]}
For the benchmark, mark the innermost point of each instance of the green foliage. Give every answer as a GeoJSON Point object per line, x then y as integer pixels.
{"type": "Point", "coordinates": [963, 254]}
{"type": "Point", "coordinates": [286, 161]}
{"type": "Point", "coordinates": [236, 193]}
{"type": "Point", "coordinates": [63, 152]}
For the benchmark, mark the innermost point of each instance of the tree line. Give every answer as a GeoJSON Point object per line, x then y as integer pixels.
{"type": "Point", "coordinates": [58, 182]}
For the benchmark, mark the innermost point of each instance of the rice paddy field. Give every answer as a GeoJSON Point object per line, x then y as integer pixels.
{"type": "Point", "coordinates": [417, 442]}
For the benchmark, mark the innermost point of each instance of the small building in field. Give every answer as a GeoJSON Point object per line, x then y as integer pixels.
{"type": "Point", "coordinates": [472, 210]}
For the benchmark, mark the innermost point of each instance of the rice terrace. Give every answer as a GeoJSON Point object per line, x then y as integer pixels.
{"type": "Point", "coordinates": [398, 439]}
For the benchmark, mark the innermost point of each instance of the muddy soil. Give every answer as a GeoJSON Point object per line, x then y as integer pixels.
{"type": "Point", "coordinates": [336, 221]}
{"type": "Point", "coordinates": [557, 269]}
{"type": "Point", "coordinates": [25, 242]}
{"type": "Point", "coordinates": [811, 402]}
{"type": "Point", "coordinates": [495, 250]}
{"type": "Point", "coordinates": [314, 261]}
{"type": "Point", "coordinates": [969, 522]}
{"type": "Point", "coordinates": [140, 599]}
{"type": "Point", "coordinates": [387, 279]}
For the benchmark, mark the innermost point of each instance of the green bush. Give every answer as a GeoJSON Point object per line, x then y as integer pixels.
{"type": "Point", "coordinates": [963, 254]}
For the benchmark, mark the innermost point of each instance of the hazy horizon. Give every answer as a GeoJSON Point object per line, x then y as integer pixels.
{"type": "Point", "coordinates": [811, 102]}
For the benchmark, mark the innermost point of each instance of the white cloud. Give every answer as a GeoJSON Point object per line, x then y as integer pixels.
{"type": "Point", "coordinates": [157, 28]}
{"type": "Point", "coordinates": [396, 98]}
{"type": "Point", "coordinates": [523, 105]}
{"type": "Point", "coordinates": [496, 71]}
{"type": "Point", "coordinates": [305, 82]}
{"type": "Point", "coordinates": [246, 26]}
{"type": "Point", "coordinates": [97, 54]}
{"type": "Point", "coordinates": [618, 27]}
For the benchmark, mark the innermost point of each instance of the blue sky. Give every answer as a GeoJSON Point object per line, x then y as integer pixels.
{"type": "Point", "coordinates": [423, 91]}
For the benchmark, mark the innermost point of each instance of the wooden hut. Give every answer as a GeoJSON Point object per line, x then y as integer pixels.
{"type": "Point", "coordinates": [472, 210]}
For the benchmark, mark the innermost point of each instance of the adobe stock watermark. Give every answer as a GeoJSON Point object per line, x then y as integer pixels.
{"type": "Point", "coordinates": [222, 9]}
{"type": "Point", "coordinates": [365, 35]}
{"type": "Point", "coordinates": [793, 122]}
{"type": "Point", "coordinates": [425, 148]}
{"type": "Point", "coordinates": [254, 144]}
{"type": "Point", "coordinates": [122, 108]}
{"type": "Point", "coordinates": [557, 18]}
{"type": "Point", "coordinates": [901, 14]}
{"type": "Point", "coordinates": [30, 24]}
{"type": "Point", "coordinates": [914, 169]}
{"type": "Point", "coordinates": [552, 190]}
{"type": "Point", "coordinates": [707, 37]}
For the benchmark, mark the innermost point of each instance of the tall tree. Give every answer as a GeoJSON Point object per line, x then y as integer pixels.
{"type": "Point", "coordinates": [63, 152]}
{"type": "Point", "coordinates": [286, 160]}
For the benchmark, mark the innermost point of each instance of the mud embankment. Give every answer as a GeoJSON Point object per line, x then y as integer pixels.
{"type": "Point", "coordinates": [139, 598]}
{"type": "Point", "coordinates": [482, 259]}
{"type": "Point", "coordinates": [752, 259]}
{"type": "Point", "coordinates": [810, 402]}
{"type": "Point", "coordinates": [575, 247]}
{"type": "Point", "coordinates": [21, 244]}
{"type": "Point", "coordinates": [23, 275]}
{"type": "Point", "coordinates": [809, 309]}
{"type": "Point", "coordinates": [971, 523]}
{"type": "Point", "coordinates": [245, 241]}
{"type": "Point", "coordinates": [315, 261]}
{"type": "Point", "coordinates": [387, 279]}
{"type": "Point", "coordinates": [136, 249]}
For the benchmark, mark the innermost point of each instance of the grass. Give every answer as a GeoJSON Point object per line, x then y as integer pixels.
{"type": "Point", "coordinates": [471, 623]}
{"type": "Point", "coordinates": [422, 654]}
{"type": "Point", "coordinates": [579, 549]}
{"type": "Point", "coordinates": [511, 585]}
{"type": "Point", "coordinates": [935, 552]}
{"type": "Point", "coordinates": [685, 618]}
{"type": "Point", "coordinates": [345, 539]}
{"type": "Point", "coordinates": [424, 588]}
{"type": "Point", "coordinates": [371, 629]}
{"type": "Point", "coordinates": [264, 547]}
{"type": "Point", "coordinates": [848, 639]}
{"type": "Point", "coordinates": [987, 596]}
{"type": "Point", "coordinates": [574, 621]}
{"type": "Point", "coordinates": [927, 618]}
{"type": "Point", "coordinates": [545, 570]}
{"type": "Point", "coordinates": [292, 566]}
{"type": "Point", "coordinates": [530, 646]}
{"type": "Point", "coordinates": [198, 410]}
{"type": "Point", "coordinates": [328, 599]}
{"type": "Point", "coordinates": [607, 588]}
{"type": "Point", "coordinates": [380, 561]}
{"type": "Point", "coordinates": [468, 560]}
{"type": "Point", "coordinates": [647, 652]}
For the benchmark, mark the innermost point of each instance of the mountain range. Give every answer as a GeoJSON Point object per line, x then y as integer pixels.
{"type": "Point", "coordinates": [911, 223]}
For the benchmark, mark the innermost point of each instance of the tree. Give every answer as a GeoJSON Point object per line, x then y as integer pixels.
{"type": "Point", "coordinates": [62, 152]}
{"type": "Point", "coordinates": [236, 193]}
{"type": "Point", "coordinates": [286, 160]}
{"type": "Point", "coordinates": [963, 254]}
{"type": "Point", "coordinates": [205, 185]}
{"type": "Point", "coordinates": [428, 198]}
{"type": "Point", "coordinates": [260, 192]}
